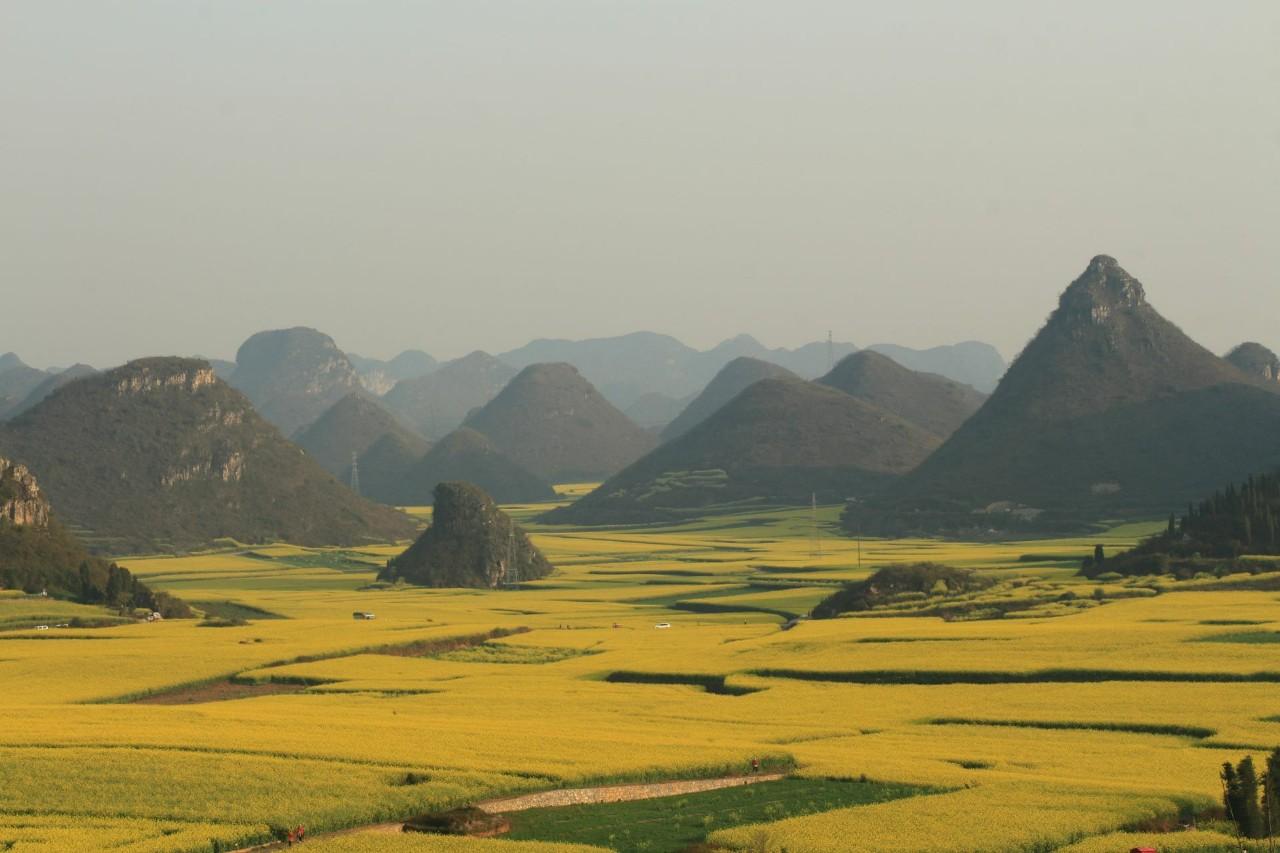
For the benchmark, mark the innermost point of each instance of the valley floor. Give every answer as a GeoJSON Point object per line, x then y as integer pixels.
{"type": "Point", "coordinates": [1085, 710]}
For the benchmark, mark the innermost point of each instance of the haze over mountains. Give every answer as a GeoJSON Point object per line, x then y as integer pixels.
{"type": "Point", "coordinates": [1110, 409]}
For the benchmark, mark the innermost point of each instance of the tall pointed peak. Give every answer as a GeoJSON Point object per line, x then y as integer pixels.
{"type": "Point", "coordinates": [1102, 289]}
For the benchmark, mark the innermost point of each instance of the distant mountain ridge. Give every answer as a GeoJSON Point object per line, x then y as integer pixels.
{"type": "Point", "coordinates": [933, 403]}
{"type": "Point", "coordinates": [553, 422]}
{"type": "Point", "coordinates": [347, 429]}
{"type": "Point", "coordinates": [436, 404]}
{"type": "Point", "coordinates": [734, 378]}
{"type": "Point", "coordinates": [161, 454]}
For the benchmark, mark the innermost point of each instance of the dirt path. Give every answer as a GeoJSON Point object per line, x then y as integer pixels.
{"type": "Point", "coordinates": [619, 793]}
{"type": "Point", "coordinates": [565, 797]}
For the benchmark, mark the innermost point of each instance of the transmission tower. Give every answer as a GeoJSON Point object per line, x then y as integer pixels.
{"type": "Point", "coordinates": [510, 571]}
{"type": "Point", "coordinates": [355, 474]}
{"type": "Point", "coordinates": [815, 539]}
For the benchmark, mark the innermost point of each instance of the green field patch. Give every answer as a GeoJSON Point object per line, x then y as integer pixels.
{"type": "Point", "coordinates": [710, 683]}
{"type": "Point", "coordinates": [1255, 637]}
{"type": "Point", "coordinates": [1040, 676]}
{"type": "Point", "coordinates": [1225, 622]}
{"type": "Point", "coordinates": [1198, 732]}
{"type": "Point", "coordinates": [233, 610]}
{"type": "Point", "coordinates": [507, 653]}
{"type": "Point", "coordinates": [676, 823]}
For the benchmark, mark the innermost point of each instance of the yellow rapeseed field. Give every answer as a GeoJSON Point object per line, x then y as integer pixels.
{"type": "Point", "coordinates": [1078, 720]}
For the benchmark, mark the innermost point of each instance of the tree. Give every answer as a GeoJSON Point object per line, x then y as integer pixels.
{"type": "Point", "coordinates": [1251, 823]}
{"type": "Point", "coordinates": [1271, 793]}
{"type": "Point", "coordinates": [1098, 555]}
{"type": "Point", "coordinates": [1240, 796]}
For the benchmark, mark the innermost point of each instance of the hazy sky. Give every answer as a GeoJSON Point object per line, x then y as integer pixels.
{"type": "Point", "coordinates": [459, 175]}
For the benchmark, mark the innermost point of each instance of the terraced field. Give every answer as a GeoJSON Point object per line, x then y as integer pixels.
{"type": "Point", "coordinates": [1088, 715]}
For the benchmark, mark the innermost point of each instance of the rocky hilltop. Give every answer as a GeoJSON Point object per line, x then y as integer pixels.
{"type": "Point", "coordinates": [293, 375]}
{"type": "Point", "coordinates": [553, 422]}
{"type": "Point", "coordinates": [1110, 410]}
{"type": "Point", "coordinates": [1256, 360]}
{"type": "Point", "coordinates": [21, 502]}
{"type": "Point", "coordinates": [160, 453]}
{"type": "Point", "coordinates": [470, 543]}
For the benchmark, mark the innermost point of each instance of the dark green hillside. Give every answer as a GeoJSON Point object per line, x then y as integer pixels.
{"type": "Point", "coordinates": [160, 453]}
{"type": "Point", "coordinates": [470, 543]}
{"type": "Point", "coordinates": [1230, 523]}
{"type": "Point", "coordinates": [468, 456]}
{"type": "Point", "coordinates": [781, 440]}
{"type": "Point", "coordinates": [37, 554]}
{"type": "Point", "coordinates": [734, 378]}
{"type": "Point", "coordinates": [556, 424]}
{"type": "Point", "coordinates": [1110, 410]}
{"type": "Point", "coordinates": [350, 426]}
{"type": "Point", "coordinates": [932, 402]}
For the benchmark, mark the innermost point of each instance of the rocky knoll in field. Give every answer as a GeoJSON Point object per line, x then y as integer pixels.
{"type": "Point", "coordinates": [931, 402]}
{"type": "Point", "coordinates": [293, 375]}
{"type": "Point", "coordinates": [734, 378]}
{"type": "Point", "coordinates": [468, 456]}
{"type": "Point", "coordinates": [1109, 410]}
{"type": "Point", "coordinates": [556, 424]}
{"type": "Point", "coordinates": [1256, 360]}
{"type": "Point", "coordinates": [470, 543]}
{"type": "Point", "coordinates": [349, 428]}
{"type": "Point", "coordinates": [161, 453]}
{"type": "Point", "coordinates": [779, 441]}
{"type": "Point", "coordinates": [436, 404]}
{"type": "Point", "coordinates": [38, 555]}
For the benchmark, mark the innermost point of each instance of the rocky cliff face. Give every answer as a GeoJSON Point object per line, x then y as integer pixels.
{"type": "Point", "coordinates": [293, 375]}
{"type": "Point", "coordinates": [21, 502]}
{"type": "Point", "coordinates": [470, 543]}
